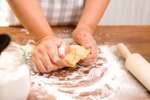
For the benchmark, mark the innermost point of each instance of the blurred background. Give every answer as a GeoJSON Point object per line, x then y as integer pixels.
{"type": "Point", "coordinates": [119, 12]}
{"type": "Point", "coordinates": [127, 12]}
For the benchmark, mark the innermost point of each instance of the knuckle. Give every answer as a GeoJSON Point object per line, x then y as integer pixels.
{"type": "Point", "coordinates": [40, 50]}
{"type": "Point", "coordinates": [56, 60]}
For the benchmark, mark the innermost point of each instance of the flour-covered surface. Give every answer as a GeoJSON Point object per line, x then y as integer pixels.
{"type": "Point", "coordinates": [107, 79]}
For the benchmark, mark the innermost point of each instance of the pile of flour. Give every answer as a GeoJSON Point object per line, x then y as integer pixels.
{"type": "Point", "coordinates": [14, 75]}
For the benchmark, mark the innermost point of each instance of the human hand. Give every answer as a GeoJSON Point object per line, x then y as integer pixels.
{"type": "Point", "coordinates": [87, 40]}
{"type": "Point", "coordinates": [46, 55]}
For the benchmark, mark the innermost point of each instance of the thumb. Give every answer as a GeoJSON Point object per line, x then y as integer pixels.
{"type": "Point", "coordinates": [63, 50]}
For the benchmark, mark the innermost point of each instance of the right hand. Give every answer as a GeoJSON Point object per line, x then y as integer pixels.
{"type": "Point", "coordinates": [46, 54]}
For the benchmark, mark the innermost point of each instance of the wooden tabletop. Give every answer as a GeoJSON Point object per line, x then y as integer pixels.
{"type": "Point", "coordinates": [137, 38]}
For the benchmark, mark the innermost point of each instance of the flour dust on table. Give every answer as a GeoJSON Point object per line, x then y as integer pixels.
{"type": "Point", "coordinates": [104, 80]}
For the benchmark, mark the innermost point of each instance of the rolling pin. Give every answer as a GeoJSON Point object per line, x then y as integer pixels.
{"type": "Point", "coordinates": [136, 64]}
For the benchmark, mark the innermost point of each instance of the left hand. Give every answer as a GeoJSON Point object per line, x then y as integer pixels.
{"type": "Point", "coordinates": [87, 40]}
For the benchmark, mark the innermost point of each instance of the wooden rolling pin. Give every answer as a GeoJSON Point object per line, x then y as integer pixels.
{"type": "Point", "coordinates": [136, 64]}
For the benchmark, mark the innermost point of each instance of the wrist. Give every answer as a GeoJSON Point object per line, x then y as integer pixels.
{"type": "Point", "coordinates": [45, 37]}
{"type": "Point", "coordinates": [41, 33]}
{"type": "Point", "coordinates": [90, 28]}
{"type": "Point", "coordinates": [80, 31]}
{"type": "Point", "coordinates": [80, 36]}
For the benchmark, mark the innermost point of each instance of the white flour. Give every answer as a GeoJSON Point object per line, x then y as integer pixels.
{"type": "Point", "coordinates": [104, 80]}
{"type": "Point", "coordinates": [14, 75]}
{"type": "Point", "coordinates": [108, 70]}
{"type": "Point", "coordinates": [113, 81]}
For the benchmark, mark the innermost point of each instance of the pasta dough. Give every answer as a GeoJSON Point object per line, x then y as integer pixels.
{"type": "Point", "coordinates": [76, 53]}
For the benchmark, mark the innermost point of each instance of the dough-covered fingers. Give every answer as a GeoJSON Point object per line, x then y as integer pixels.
{"type": "Point", "coordinates": [53, 53]}
{"type": "Point", "coordinates": [87, 40]}
{"type": "Point", "coordinates": [38, 59]}
{"type": "Point", "coordinates": [49, 65]}
{"type": "Point", "coordinates": [46, 61]}
{"type": "Point", "coordinates": [39, 65]}
{"type": "Point", "coordinates": [63, 49]}
{"type": "Point", "coordinates": [91, 58]}
{"type": "Point", "coordinates": [46, 54]}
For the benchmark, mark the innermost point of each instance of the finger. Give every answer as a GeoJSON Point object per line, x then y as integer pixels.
{"type": "Point", "coordinates": [89, 60]}
{"type": "Point", "coordinates": [45, 58]}
{"type": "Point", "coordinates": [40, 66]}
{"type": "Point", "coordinates": [48, 64]}
{"type": "Point", "coordinates": [53, 54]}
{"type": "Point", "coordinates": [37, 61]}
{"type": "Point", "coordinates": [86, 63]}
{"type": "Point", "coordinates": [63, 50]}
{"type": "Point", "coordinates": [53, 67]}
{"type": "Point", "coordinates": [42, 56]}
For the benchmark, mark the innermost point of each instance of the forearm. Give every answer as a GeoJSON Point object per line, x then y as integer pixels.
{"type": "Point", "coordinates": [92, 13]}
{"type": "Point", "coordinates": [31, 16]}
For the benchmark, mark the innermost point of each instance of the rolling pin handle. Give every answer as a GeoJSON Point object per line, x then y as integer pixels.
{"type": "Point", "coordinates": [124, 51]}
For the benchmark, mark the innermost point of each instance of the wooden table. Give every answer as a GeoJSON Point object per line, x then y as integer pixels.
{"type": "Point", "coordinates": [137, 38]}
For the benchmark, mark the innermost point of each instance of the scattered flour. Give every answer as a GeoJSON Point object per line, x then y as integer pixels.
{"type": "Point", "coordinates": [101, 81]}
{"type": "Point", "coordinates": [104, 80]}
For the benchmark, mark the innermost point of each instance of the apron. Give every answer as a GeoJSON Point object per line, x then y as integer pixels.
{"type": "Point", "coordinates": [57, 12]}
